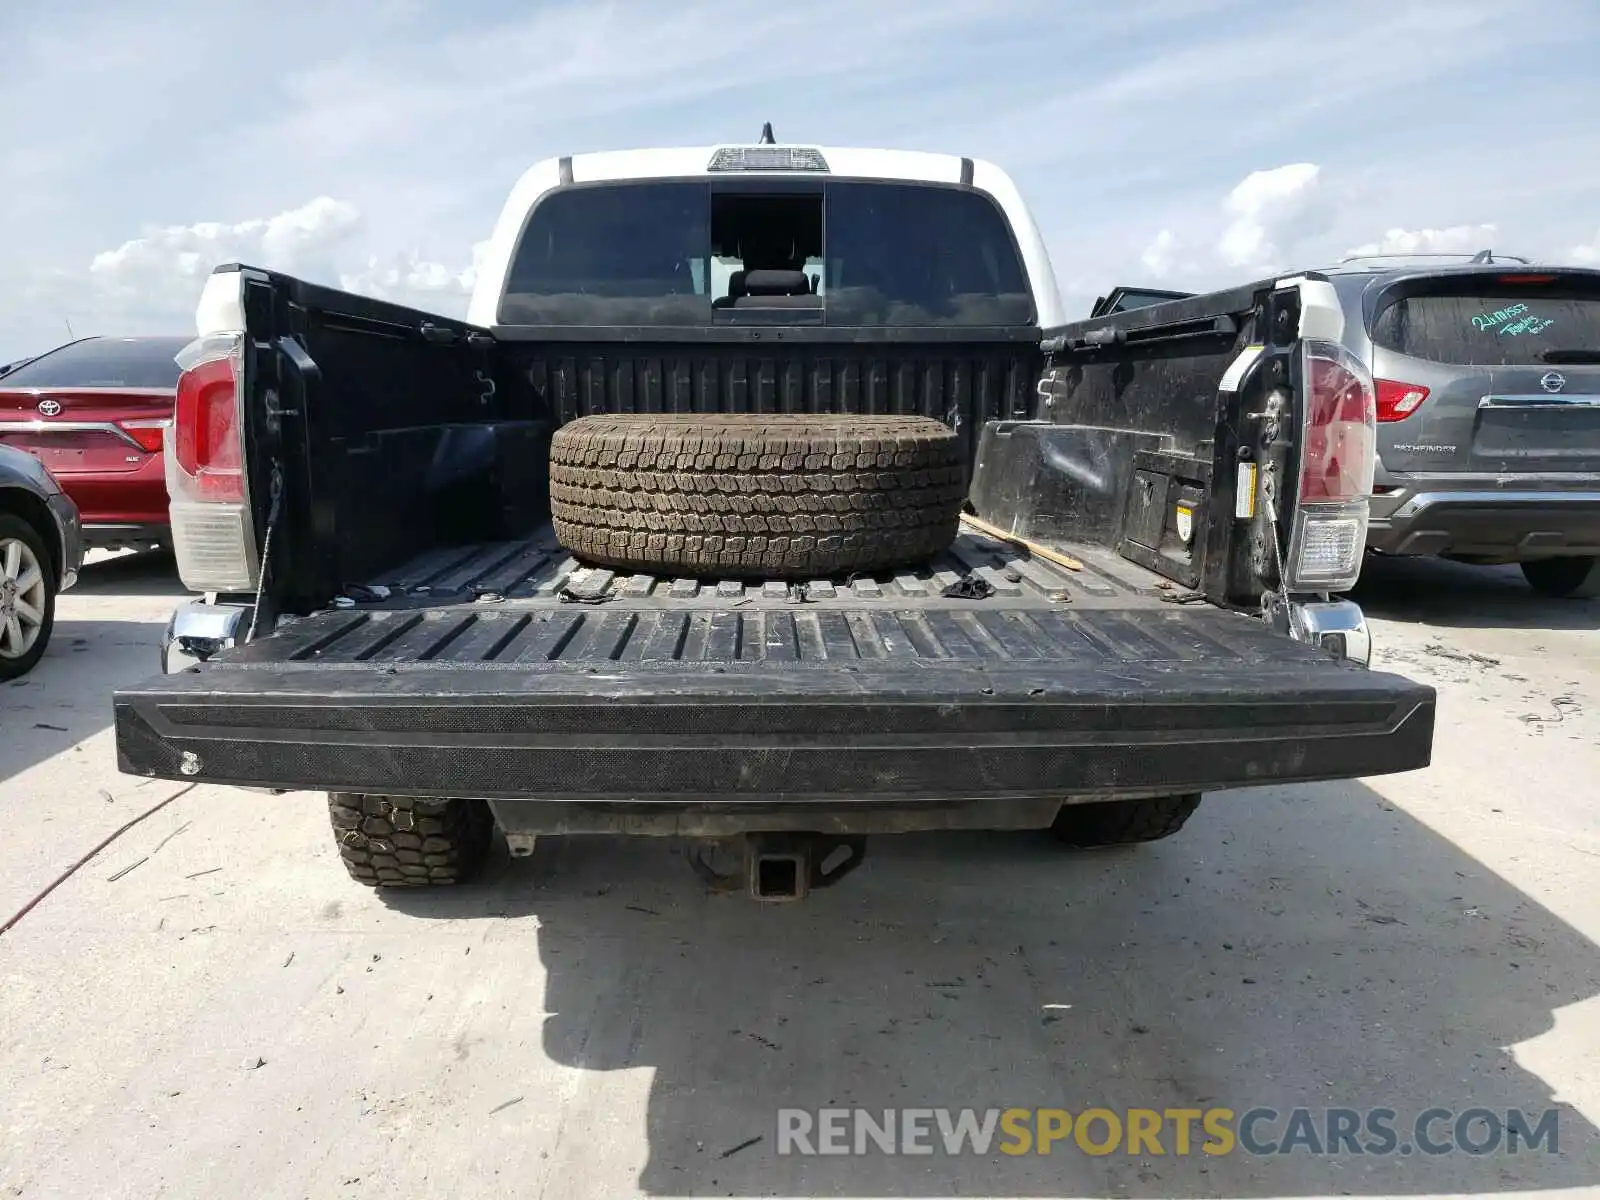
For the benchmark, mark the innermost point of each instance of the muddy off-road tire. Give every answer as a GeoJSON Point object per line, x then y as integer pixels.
{"type": "Point", "coordinates": [759, 495]}
{"type": "Point", "coordinates": [1123, 822]}
{"type": "Point", "coordinates": [403, 841]}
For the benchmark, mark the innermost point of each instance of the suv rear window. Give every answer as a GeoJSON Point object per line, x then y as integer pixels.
{"type": "Point", "coordinates": [102, 362]}
{"type": "Point", "coordinates": [1508, 325]}
{"type": "Point", "coordinates": [846, 253]}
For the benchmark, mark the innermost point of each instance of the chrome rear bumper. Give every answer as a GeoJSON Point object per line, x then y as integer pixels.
{"type": "Point", "coordinates": [1338, 626]}
{"type": "Point", "coordinates": [200, 629]}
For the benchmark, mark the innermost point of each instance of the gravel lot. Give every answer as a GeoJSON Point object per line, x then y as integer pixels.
{"type": "Point", "coordinates": [232, 1017]}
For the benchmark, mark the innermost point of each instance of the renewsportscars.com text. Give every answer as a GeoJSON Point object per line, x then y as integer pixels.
{"type": "Point", "coordinates": [1167, 1131]}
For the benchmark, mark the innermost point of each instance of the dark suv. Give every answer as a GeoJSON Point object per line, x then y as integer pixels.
{"type": "Point", "coordinates": [1488, 380]}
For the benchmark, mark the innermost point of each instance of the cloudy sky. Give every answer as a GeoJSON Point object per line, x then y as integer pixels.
{"type": "Point", "coordinates": [1190, 143]}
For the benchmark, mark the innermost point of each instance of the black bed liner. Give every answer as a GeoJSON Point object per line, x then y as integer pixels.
{"type": "Point", "coordinates": [536, 569]}
{"type": "Point", "coordinates": [527, 602]}
{"type": "Point", "coordinates": [474, 676]}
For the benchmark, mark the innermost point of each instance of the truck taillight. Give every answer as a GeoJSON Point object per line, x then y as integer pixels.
{"type": "Point", "coordinates": [1338, 459]}
{"type": "Point", "coordinates": [1397, 401]}
{"type": "Point", "coordinates": [212, 534]}
{"type": "Point", "coordinates": [1340, 443]}
{"type": "Point", "coordinates": [206, 442]}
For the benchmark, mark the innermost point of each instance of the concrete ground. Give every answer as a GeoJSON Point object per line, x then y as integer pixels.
{"type": "Point", "coordinates": [210, 1008]}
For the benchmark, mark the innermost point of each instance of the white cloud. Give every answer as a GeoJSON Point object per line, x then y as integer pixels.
{"type": "Point", "coordinates": [1272, 213]}
{"type": "Point", "coordinates": [151, 283]}
{"type": "Point", "coordinates": [1269, 220]}
{"type": "Point", "coordinates": [1455, 239]}
{"type": "Point", "coordinates": [1160, 255]}
{"type": "Point", "coordinates": [1588, 253]}
{"type": "Point", "coordinates": [167, 266]}
{"type": "Point", "coordinates": [414, 279]}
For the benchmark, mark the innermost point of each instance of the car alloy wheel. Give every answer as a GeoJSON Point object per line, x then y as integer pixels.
{"type": "Point", "coordinates": [22, 598]}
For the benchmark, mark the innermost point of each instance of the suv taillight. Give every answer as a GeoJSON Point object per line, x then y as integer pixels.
{"type": "Point", "coordinates": [1338, 458]}
{"type": "Point", "coordinates": [212, 533]}
{"type": "Point", "coordinates": [1397, 401]}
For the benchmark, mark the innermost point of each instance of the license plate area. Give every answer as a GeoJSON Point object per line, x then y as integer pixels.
{"type": "Point", "coordinates": [76, 451]}
{"type": "Point", "coordinates": [1562, 429]}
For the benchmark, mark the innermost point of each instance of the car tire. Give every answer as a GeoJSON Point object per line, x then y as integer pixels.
{"type": "Point", "coordinates": [759, 495]}
{"type": "Point", "coordinates": [27, 596]}
{"type": "Point", "coordinates": [409, 841]}
{"type": "Point", "coordinates": [1563, 578]}
{"type": "Point", "coordinates": [1122, 822]}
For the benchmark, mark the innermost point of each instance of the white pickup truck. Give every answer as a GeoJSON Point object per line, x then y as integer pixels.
{"type": "Point", "coordinates": [1138, 605]}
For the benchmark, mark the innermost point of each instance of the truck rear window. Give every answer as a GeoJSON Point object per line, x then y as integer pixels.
{"type": "Point", "coordinates": [847, 253]}
{"type": "Point", "coordinates": [103, 362]}
{"type": "Point", "coordinates": [1515, 324]}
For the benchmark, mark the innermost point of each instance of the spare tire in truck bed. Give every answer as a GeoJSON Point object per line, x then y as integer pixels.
{"type": "Point", "coordinates": [755, 495]}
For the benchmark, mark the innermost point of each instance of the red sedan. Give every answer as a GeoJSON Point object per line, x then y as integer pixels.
{"type": "Point", "coordinates": [94, 412]}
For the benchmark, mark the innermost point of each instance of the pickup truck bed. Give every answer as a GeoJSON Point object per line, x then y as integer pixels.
{"type": "Point", "coordinates": [505, 671]}
{"type": "Point", "coordinates": [536, 571]}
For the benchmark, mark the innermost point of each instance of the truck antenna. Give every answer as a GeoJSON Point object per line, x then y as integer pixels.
{"type": "Point", "coordinates": [766, 135]}
{"type": "Point", "coordinates": [70, 334]}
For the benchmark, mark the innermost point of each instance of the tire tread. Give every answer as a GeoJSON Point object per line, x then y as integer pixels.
{"type": "Point", "coordinates": [1123, 822]}
{"type": "Point", "coordinates": [754, 495]}
{"type": "Point", "coordinates": [407, 841]}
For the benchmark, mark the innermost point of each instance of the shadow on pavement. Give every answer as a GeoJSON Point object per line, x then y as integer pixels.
{"type": "Point", "coordinates": [67, 697]}
{"type": "Point", "coordinates": [1438, 592]}
{"type": "Point", "coordinates": [1308, 946]}
{"type": "Point", "coordinates": [149, 573]}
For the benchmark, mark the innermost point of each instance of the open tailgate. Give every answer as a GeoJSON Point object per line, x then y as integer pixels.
{"type": "Point", "coordinates": [749, 704]}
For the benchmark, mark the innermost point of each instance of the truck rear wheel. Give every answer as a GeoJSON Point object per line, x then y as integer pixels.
{"type": "Point", "coordinates": [406, 841]}
{"type": "Point", "coordinates": [1572, 575]}
{"type": "Point", "coordinates": [1123, 822]}
{"type": "Point", "coordinates": [759, 495]}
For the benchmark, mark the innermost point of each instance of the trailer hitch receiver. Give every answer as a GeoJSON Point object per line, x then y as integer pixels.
{"type": "Point", "coordinates": [788, 866]}
{"type": "Point", "coordinates": [780, 867]}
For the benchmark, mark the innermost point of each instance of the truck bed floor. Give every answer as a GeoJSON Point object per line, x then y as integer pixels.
{"type": "Point", "coordinates": [536, 569]}
{"type": "Point", "coordinates": [528, 602]}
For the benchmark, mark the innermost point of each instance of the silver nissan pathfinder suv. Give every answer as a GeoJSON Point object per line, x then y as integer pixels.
{"type": "Point", "coordinates": [1488, 391]}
